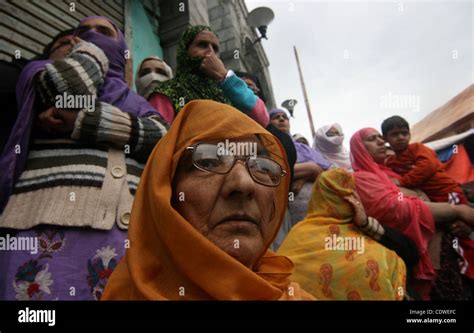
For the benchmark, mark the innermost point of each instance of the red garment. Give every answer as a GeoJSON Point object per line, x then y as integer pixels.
{"type": "Point", "coordinates": [420, 168]}
{"type": "Point", "coordinates": [164, 106]}
{"type": "Point", "coordinates": [383, 200]}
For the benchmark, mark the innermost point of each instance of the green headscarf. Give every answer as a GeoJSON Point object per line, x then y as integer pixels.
{"type": "Point", "coordinates": [190, 83]}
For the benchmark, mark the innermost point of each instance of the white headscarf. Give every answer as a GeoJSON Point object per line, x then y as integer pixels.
{"type": "Point", "coordinates": [147, 83]}
{"type": "Point", "coordinates": [331, 146]}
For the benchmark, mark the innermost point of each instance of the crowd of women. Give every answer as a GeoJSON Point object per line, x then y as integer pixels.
{"type": "Point", "coordinates": [135, 200]}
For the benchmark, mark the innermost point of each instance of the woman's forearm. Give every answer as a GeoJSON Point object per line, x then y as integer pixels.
{"type": "Point", "coordinates": [442, 212]}
{"type": "Point", "coordinates": [307, 170]}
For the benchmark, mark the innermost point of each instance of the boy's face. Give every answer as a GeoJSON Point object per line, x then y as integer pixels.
{"type": "Point", "coordinates": [398, 138]}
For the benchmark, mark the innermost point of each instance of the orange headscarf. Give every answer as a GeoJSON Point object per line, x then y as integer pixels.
{"type": "Point", "coordinates": [168, 258]}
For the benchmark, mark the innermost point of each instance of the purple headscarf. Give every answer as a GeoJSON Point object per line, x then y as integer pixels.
{"type": "Point", "coordinates": [276, 110]}
{"type": "Point", "coordinates": [114, 91]}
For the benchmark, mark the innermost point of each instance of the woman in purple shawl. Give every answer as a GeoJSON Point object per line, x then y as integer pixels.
{"type": "Point", "coordinates": [114, 91]}
{"type": "Point", "coordinates": [309, 164]}
{"type": "Point", "coordinates": [67, 186]}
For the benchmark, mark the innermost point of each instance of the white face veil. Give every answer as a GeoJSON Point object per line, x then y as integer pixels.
{"type": "Point", "coordinates": [331, 146]}
{"type": "Point", "coordinates": [147, 83]}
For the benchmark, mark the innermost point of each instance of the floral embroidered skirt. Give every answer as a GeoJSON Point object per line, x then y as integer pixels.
{"type": "Point", "coordinates": [69, 264]}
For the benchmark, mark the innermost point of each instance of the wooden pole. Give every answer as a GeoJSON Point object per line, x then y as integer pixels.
{"type": "Point", "coordinates": [306, 101]}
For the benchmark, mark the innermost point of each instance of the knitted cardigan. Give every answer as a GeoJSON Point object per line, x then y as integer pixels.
{"type": "Point", "coordinates": [89, 179]}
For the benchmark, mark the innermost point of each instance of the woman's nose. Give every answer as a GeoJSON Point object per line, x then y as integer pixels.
{"type": "Point", "coordinates": [209, 50]}
{"type": "Point", "coordinates": [239, 180]}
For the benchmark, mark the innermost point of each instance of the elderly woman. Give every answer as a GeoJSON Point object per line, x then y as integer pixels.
{"type": "Point", "coordinates": [328, 141]}
{"type": "Point", "coordinates": [333, 259]}
{"type": "Point", "coordinates": [151, 72]}
{"type": "Point", "coordinates": [201, 74]}
{"type": "Point", "coordinates": [413, 217]}
{"type": "Point", "coordinates": [69, 173]}
{"type": "Point", "coordinates": [205, 214]}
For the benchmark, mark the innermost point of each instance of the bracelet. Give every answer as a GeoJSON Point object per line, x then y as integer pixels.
{"type": "Point", "coordinates": [365, 224]}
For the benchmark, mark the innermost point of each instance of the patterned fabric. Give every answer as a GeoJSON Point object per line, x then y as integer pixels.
{"type": "Point", "coordinates": [190, 83]}
{"type": "Point", "coordinates": [333, 259]}
{"type": "Point", "coordinates": [71, 264]}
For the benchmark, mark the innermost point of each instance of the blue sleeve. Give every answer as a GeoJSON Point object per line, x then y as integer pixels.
{"type": "Point", "coordinates": [239, 93]}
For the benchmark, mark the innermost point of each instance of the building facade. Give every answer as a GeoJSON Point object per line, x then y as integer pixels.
{"type": "Point", "coordinates": [151, 27]}
{"type": "Point", "coordinates": [454, 117]}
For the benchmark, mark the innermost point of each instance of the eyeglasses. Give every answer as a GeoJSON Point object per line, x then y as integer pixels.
{"type": "Point", "coordinates": [263, 170]}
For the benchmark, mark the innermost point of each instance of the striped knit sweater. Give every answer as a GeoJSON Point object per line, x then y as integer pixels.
{"type": "Point", "coordinates": [81, 73]}
{"type": "Point", "coordinates": [87, 180]}
{"type": "Point", "coordinates": [82, 183]}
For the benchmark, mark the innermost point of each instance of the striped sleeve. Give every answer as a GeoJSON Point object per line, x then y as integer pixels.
{"type": "Point", "coordinates": [82, 72]}
{"type": "Point", "coordinates": [111, 126]}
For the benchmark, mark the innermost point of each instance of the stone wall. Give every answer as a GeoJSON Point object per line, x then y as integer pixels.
{"type": "Point", "coordinates": [228, 19]}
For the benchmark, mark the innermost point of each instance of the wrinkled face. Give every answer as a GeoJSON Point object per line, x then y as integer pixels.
{"type": "Point", "coordinates": [375, 145]}
{"type": "Point", "coordinates": [100, 25]}
{"type": "Point", "coordinates": [333, 131]}
{"type": "Point", "coordinates": [398, 138]}
{"type": "Point", "coordinates": [280, 120]}
{"type": "Point", "coordinates": [152, 66]}
{"type": "Point", "coordinates": [61, 48]}
{"type": "Point", "coordinates": [231, 210]}
{"type": "Point", "coordinates": [204, 43]}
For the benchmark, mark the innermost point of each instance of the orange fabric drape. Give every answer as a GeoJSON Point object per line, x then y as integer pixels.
{"type": "Point", "coordinates": [168, 258]}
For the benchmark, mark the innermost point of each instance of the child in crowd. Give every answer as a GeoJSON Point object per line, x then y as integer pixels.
{"type": "Point", "coordinates": [418, 165]}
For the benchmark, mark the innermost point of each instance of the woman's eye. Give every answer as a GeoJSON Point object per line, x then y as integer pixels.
{"type": "Point", "coordinates": [210, 162]}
